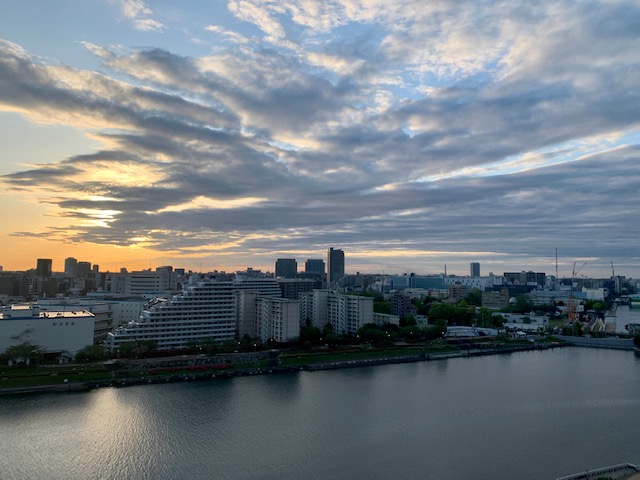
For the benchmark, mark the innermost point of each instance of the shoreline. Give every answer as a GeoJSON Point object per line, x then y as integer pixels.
{"type": "Point", "coordinates": [130, 381]}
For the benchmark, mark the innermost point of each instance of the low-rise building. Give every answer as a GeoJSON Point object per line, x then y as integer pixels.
{"type": "Point", "coordinates": [55, 331]}
{"type": "Point", "coordinates": [384, 318]}
{"type": "Point", "coordinates": [495, 300]}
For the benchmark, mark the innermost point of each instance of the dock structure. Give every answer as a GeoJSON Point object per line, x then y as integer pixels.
{"type": "Point", "coordinates": [621, 471]}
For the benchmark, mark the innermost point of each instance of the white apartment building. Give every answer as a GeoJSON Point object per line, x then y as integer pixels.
{"type": "Point", "coordinates": [268, 287]}
{"type": "Point", "coordinates": [205, 310]}
{"type": "Point", "coordinates": [246, 314]}
{"type": "Point", "coordinates": [345, 313]}
{"type": "Point", "coordinates": [471, 282]}
{"type": "Point", "coordinates": [277, 319]}
{"type": "Point", "coordinates": [163, 279]}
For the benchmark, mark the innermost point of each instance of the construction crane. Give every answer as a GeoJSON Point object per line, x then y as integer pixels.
{"type": "Point", "coordinates": [613, 273]}
{"type": "Point", "coordinates": [571, 307]}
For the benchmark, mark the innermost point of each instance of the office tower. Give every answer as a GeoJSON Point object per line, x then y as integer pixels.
{"type": "Point", "coordinates": [314, 265]}
{"type": "Point", "coordinates": [70, 266]}
{"type": "Point", "coordinates": [286, 267]}
{"type": "Point", "coordinates": [475, 269]}
{"type": "Point", "coordinates": [164, 280]}
{"type": "Point", "coordinates": [44, 267]}
{"type": "Point", "coordinates": [83, 269]}
{"type": "Point", "coordinates": [335, 265]}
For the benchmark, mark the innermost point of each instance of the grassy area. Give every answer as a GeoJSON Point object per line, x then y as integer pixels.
{"type": "Point", "coordinates": [11, 377]}
{"type": "Point", "coordinates": [314, 358]}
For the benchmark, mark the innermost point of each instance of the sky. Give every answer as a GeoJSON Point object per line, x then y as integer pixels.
{"type": "Point", "coordinates": [411, 134]}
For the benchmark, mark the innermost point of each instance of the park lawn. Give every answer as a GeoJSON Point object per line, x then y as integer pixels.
{"type": "Point", "coordinates": [314, 358]}
{"type": "Point", "coordinates": [8, 378]}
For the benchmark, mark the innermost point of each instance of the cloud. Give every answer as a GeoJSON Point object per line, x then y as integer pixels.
{"type": "Point", "coordinates": [140, 15]}
{"type": "Point", "coordinates": [504, 130]}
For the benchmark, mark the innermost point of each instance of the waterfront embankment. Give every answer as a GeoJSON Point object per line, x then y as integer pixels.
{"type": "Point", "coordinates": [125, 373]}
{"type": "Point", "coordinates": [594, 342]}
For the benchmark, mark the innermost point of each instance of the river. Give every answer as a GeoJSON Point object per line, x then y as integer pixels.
{"type": "Point", "coordinates": [528, 415]}
{"type": "Point", "coordinates": [624, 315]}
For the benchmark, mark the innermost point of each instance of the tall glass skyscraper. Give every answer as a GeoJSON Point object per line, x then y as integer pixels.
{"type": "Point", "coordinates": [335, 265]}
{"type": "Point", "coordinates": [474, 269]}
{"type": "Point", "coordinates": [286, 267]}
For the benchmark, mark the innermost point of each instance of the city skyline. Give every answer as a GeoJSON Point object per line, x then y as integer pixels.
{"type": "Point", "coordinates": [410, 135]}
{"type": "Point", "coordinates": [46, 267]}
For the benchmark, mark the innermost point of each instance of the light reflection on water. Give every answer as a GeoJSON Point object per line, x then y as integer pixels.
{"type": "Point", "coordinates": [525, 415]}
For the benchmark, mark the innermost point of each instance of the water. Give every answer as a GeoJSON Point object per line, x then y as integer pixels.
{"type": "Point", "coordinates": [532, 415]}
{"type": "Point", "coordinates": [624, 315]}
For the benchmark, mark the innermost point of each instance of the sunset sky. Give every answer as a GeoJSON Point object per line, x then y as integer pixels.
{"type": "Point", "coordinates": [411, 134]}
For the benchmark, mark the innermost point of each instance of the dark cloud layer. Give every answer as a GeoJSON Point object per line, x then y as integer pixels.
{"type": "Point", "coordinates": [259, 151]}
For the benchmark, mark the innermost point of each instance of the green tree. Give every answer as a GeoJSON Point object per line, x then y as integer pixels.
{"type": "Point", "coordinates": [327, 330]}
{"type": "Point", "coordinates": [465, 313]}
{"type": "Point", "coordinates": [420, 307]}
{"type": "Point", "coordinates": [442, 311]}
{"type": "Point", "coordinates": [24, 352]}
{"type": "Point", "coordinates": [410, 332]}
{"type": "Point", "coordinates": [577, 329]}
{"type": "Point", "coordinates": [441, 325]}
{"type": "Point", "coordinates": [90, 353]}
{"type": "Point", "coordinates": [382, 307]}
{"type": "Point", "coordinates": [474, 297]}
{"type": "Point", "coordinates": [331, 339]}
{"type": "Point", "coordinates": [371, 333]}
{"type": "Point", "coordinates": [497, 320]}
{"type": "Point", "coordinates": [311, 334]}
{"type": "Point", "coordinates": [432, 332]}
{"type": "Point", "coordinates": [523, 304]}
{"type": "Point", "coordinates": [484, 317]}
{"type": "Point", "coordinates": [408, 321]}
{"type": "Point", "coordinates": [126, 349]}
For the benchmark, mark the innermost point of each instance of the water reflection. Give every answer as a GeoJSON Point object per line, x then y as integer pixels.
{"type": "Point", "coordinates": [508, 414]}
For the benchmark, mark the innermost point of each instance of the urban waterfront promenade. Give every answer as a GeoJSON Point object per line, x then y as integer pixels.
{"type": "Point", "coordinates": [131, 372]}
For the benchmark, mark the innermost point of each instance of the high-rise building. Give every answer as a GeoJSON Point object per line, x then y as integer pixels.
{"type": "Point", "coordinates": [286, 268]}
{"type": "Point", "coordinates": [163, 280]}
{"type": "Point", "coordinates": [458, 292]}
{"type": "Point", "coordinates": [44, 267]}
{"type": "Point", "coordinates": [70, 266]}
{"type": "Point", "coordinates": [335, 265]}
{"type": "Point", "coordinates": [205, 311]}
{"type": "Point", "coordinates": [525, 278]}
{"type": "Point", "coordinates": [267, 287]}
{"type": "Point", "coordinates": [401, 305]}
{"type": "Point", "coordinates": [345, 313]}
{"type": "Point", "coordinates": [474, 269]}
{"type": "Point", "coordinates": [277, 319]}
{"type": "Point", "coordinates": [291, 288]}
{"type": "Point", "coordinates": [83, 269]}
{"type": "Point", "coordinates": [314, 265]}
